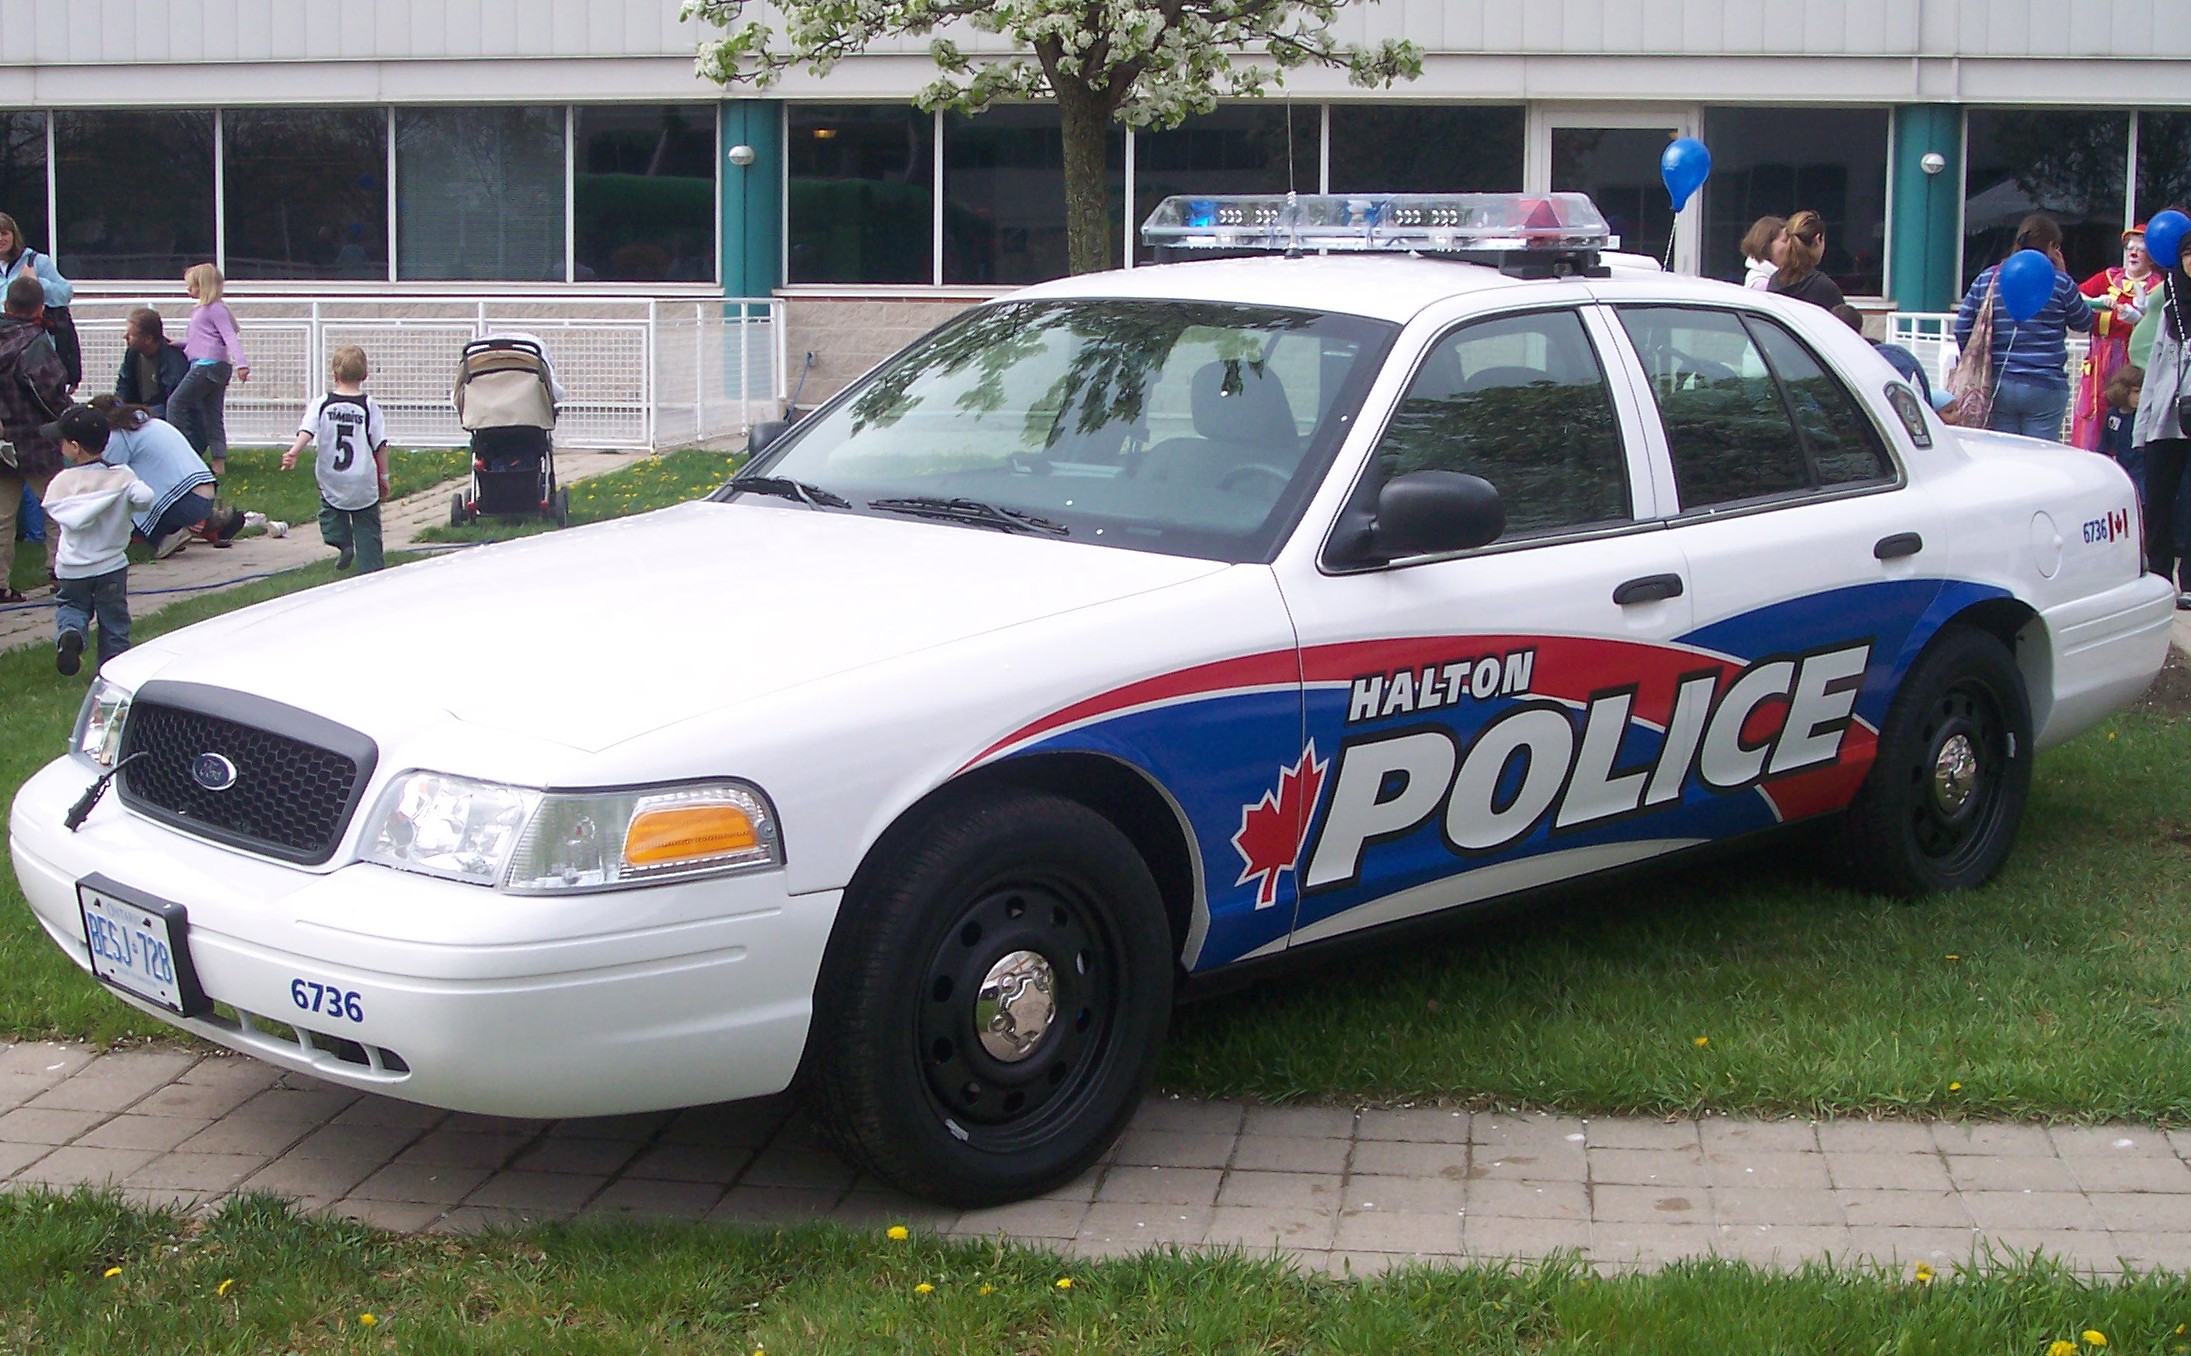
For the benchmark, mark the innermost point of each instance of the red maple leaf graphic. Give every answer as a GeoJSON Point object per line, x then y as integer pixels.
{"type": "Point", "coordinates": [1273, 829]}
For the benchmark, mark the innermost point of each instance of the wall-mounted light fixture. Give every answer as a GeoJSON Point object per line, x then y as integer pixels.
{"type": "Point", "coordinates": [1932, 162]}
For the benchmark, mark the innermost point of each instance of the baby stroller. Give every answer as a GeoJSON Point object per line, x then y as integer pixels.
{"type": "Point", "coordinates": [506, 396]}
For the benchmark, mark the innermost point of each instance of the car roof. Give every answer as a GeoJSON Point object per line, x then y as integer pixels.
{"type": "Point", "coordinates": [1391, 287]}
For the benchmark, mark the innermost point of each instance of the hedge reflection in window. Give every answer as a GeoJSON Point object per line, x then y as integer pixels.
{"type": "Point", "coordinates": [1521, 402]}
{"type": "Point", "coordinates": [479, 194]}
{"type": "Point", "coordinates": [1004, 195]}
{"type": "Point", "coordinates": [861, 194]}
{"type": "Point", "coordinates": [1427, 148]}
{"type": "Point", "coordinates": [307, 192]}
{"type": "Point", "coordinates": [2064, 163]}
{"type": "Point", "coordinates": [135, 191]}
{"type": "Point", "coordinates": [1726, 427]}
{"type": "Point", "coordinates": [2164, 162]}
{"type": "Point", "coordinates": [644, 193]}
{"type": "Point", "coordinates": [1235, 149]}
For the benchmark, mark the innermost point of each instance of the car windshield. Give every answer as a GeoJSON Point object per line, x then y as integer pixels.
{"type": "Point", "coordinates": [1188, 428]}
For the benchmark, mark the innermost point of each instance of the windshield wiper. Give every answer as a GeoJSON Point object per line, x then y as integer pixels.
{"type": "Point", "coordinates": [969, 511]}
{"type": "Point", "coordinates": [813, 496]}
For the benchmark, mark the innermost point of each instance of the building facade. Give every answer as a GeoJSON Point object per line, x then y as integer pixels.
{"type": "Point", "coordinates": [566, 146]}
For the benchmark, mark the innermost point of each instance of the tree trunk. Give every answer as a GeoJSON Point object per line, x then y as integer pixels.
{"type": "Point", "coordinates": [1083, 117]}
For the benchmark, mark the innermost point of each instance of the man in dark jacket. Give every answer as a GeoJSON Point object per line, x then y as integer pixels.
{"type": "Point", "coordinates": [151, 367]}
{"type": "Point", "coordinates": [33, 389]}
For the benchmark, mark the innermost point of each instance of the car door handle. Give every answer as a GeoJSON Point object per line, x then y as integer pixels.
{"type": "Point", "coordinates": [1651, 588]}
{"type": "Point", "coordinates": [1897, 546]}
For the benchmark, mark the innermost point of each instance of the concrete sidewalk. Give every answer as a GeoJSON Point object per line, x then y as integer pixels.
{"type": "Point", "coordinates": [1334, 1188]}
{"type": "Point", "coordinates": [200, 568]}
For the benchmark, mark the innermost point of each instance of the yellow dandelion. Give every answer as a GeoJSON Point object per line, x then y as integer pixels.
{"type": "Point", "coordinates": [2094, 1336]}
{"type": "Point", "coordinates": [1064, 1282]}
{"type": "Point", "coordinates": [1923, 1274]}
{"type": "Point", "coordinates": [1701, 1041]}
{"type": "Point", "coordinates": [924, 1288]}
{"type": "Point", "coordinates": [112, 1272]}
{"type": "Point", "coordinates": [991, 1290]}
{"type": "Point", "coordinates": [897, 1233]}
{"type": "Point", "coordinates": [1953, 956]}
{"type": "Point", "coordinates": [366, 1320]}
{"type": "Point", "coordinates": [224, 1285]}
{"type": "Point", "coordinates": [1955, 1087]}
{"type": "Point", "coordinates": [2062, 1349]}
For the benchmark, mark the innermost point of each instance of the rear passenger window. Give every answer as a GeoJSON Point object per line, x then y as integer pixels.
{"type": "Point", "coordinates": [1842, 442]}
{"type": "Point", "coordinates": [1522, 402]}
{"type": "Point", "coordinates": [1748, 412]}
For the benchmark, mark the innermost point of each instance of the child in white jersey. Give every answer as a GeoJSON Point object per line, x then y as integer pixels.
{"type": "Point", "coordinates": [352, 466]}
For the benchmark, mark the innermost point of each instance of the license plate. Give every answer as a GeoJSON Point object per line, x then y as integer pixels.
{"type": "Point", "coordinates": [141, 945]}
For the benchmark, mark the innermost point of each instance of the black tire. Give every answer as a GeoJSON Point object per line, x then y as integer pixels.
{"type": "Point", "coordinates": [562, 501]}
{"type": "Point", "coordinates": [897, 1075]}
{"type": "Point", "coordinates": [457, 516]}
{"type": "Point", "coordinates": [1928, 820]}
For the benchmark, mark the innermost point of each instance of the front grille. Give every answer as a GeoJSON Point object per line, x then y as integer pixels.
{"type": "Point", "coordinates": [297, 776]}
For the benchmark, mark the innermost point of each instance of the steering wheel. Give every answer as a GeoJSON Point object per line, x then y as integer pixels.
{"type": "Point", "coordinates": [1240, 475]}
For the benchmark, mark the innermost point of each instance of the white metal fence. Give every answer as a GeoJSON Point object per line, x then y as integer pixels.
{"type": "Point", "coordinates": [640, 372]}
{"type": "Point", "coordinates": [1931, 336]}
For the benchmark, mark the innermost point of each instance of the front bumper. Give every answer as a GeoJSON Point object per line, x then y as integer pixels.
{"type": "Point", "coordinates": [2104, 650]}
{"type": "Point", "coordinates": [672, 995]}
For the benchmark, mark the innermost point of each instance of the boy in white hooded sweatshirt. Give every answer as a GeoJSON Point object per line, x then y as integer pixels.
{"type": "Point", "coordinates": [90, 503]}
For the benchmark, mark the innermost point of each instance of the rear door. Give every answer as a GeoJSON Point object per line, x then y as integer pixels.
{"type": "Point", "coordinates": [1481, 722]}
{"type": "Point", "coordinates": [1804, 549]}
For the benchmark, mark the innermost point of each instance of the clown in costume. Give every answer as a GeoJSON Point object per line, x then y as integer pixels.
{"type": "Point", "coordinates": [2118, 303]}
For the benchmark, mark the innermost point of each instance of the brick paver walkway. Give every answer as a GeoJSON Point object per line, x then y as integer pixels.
{"type": "Point", "coordinates": [200, 569]}
{"type": "Point", "coordinates": [1334, 1188]}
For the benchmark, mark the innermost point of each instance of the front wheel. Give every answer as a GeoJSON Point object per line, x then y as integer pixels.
{"type": "Point", "coordinates": [458, 514]}
{"type": "Point", "coordinates": [1940, 808]}
{"type": "Point", "coordinates": [992, 1002]}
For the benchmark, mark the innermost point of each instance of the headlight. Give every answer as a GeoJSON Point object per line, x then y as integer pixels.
{"type": "Point", "coordinates": [99, 723]}
{"type": "Point", "coordinates": [533, 842]}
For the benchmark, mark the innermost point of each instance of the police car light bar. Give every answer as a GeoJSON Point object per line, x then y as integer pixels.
{"type": "Point", "coordinates": [1429, 223]}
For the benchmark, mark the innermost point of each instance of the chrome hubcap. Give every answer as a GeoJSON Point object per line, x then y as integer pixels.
{"type": "Point", "coordinates": [1954, 773]}
{"type": "Point", "coordinates": [1015, 1006]}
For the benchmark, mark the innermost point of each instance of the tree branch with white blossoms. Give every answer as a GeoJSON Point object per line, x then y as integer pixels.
{"type": "Point", "coordinates": [1140, 63]}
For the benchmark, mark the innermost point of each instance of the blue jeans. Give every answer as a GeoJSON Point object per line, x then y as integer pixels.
{"type": "Point", "coordinates": [199, 407]}
{"type": "Point", "coordinates": [105, 596]}
{"type": "Point", "coordinates": [2032, 408]}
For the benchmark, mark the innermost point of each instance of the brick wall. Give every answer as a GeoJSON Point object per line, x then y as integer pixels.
{"type": "Point", "coordinates": [848, 335]}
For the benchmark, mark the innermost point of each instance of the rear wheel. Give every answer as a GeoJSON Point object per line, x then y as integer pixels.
{"type": "Point", "coordinates": [1940, 808]}
{"type": "Point", "coordinates": [992, 1002]}
{"type": "Point", "coordinates": [562, 509]}
{"type": "Point", "coordinates": [457, 516]}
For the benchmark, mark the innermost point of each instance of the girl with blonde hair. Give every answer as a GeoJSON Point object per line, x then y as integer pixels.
{"type": "Point", "coordinates": [199, 405]}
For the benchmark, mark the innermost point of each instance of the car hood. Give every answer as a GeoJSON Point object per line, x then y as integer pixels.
{"type": "Point", "coordinates": [598, 635]}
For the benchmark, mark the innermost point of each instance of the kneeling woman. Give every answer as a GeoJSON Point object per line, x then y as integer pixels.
{"type": "Point", "coordinates": [182, 488]}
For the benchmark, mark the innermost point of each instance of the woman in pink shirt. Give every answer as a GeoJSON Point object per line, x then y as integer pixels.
{"type": "Point", "coordinates": [199, 405]}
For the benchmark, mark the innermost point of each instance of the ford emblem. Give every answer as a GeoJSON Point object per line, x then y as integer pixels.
{"type": "Point", "coordinates": [213, 772]}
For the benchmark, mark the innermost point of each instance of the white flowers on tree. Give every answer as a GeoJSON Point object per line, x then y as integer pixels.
{"type": "Point", "coordinates": [1147, 65]}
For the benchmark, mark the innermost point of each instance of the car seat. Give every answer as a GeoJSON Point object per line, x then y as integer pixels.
{"type": "Point", "coordinates": [1242, 419]}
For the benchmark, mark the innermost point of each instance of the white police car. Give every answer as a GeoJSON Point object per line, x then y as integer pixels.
{"type": "Point", "coordinates": [1122, 630]}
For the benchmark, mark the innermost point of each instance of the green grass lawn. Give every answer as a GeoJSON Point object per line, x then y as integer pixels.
{"type": "Point", "coordinates": [256, 482]}
{"type": "Point", "coordinates": [656, 482]}
{"type": "Point", "coordinates": [84, 1274]}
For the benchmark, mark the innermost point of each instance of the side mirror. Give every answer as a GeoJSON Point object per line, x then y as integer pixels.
{"type": "Point", "coordinates": [1425, 513]}
{"type": "Point", "coordinates": [764, 433]}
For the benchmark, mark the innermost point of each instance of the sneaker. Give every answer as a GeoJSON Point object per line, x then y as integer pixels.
{"type": "Point", "coordinates": [346, 557]}
{"type": "Point", "coordinates": [169, 544]}
{"type": "Point", "coordinates": [2183, 601]}
{"type": "Point", "coordinates": [68, 653]}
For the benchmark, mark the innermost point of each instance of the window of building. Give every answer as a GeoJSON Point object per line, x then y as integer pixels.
{"type": "Point", "coordinates": [133, 192]}
{"type": "Point", "coordinates": [644, 193]}
{"type": "Point", "coordinates": [23, 176]}
{"type": "Point", "coordinates": [1780, 161]}
{"type": "Point", "coordinates": [1427, 148]}
{"type": "Point", "coordinates": [1520, 401]}
{"type": "Point", "coordinates": [307, 192]}
{"type": "Point", "coordinates": [2164, 162]}
{"type": "Point", "coordinates": [1727, 429]}
{"type": "Point", "coordinates": [1236, 149]}
{"type": "Point", "coordinates": [1004, 195]}
{"type": "Point", "coordinates": [479, 194]}
{"type": "Point", "coordinates": [862, 194]}
{"type": "Point", "coordinates": [2068, 165]}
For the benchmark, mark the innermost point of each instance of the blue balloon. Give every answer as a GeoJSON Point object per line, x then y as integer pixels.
{"type": "Point", "coordinates": [2164, 237]}
{"type": "Point", "coordinates": [1685, 166]}
{"type": "Point", "coordinates": [2027, 280]}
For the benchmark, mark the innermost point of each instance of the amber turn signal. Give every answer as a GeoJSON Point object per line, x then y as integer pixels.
{"type": "Point", "coordinates": [684, 833]}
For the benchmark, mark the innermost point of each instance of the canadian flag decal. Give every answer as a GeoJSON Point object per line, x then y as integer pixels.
{"type": "Point", "coordinates": [1273, 829]}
